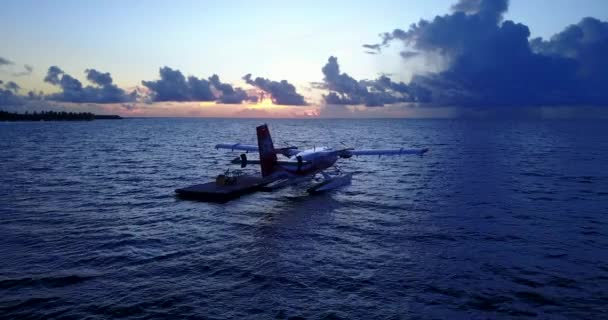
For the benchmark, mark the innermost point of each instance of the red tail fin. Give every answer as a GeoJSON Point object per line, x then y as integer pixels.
{"type": "Point", "coordinates": [268, 156]}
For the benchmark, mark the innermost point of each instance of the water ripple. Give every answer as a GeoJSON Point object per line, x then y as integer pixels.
{"type": "Point", "coordinates": [500, 220]}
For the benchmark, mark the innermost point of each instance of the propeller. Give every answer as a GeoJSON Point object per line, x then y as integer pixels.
{"type": "Point", "coordinates": [243, 160]}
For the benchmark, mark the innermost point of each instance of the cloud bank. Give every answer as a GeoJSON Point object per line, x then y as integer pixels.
{"type": "Point", "coordinates": [345, 90]}
{"type": "Point", "coordinates": [491, 62]}
{"type": "Point", "coordinates": [173, 86]}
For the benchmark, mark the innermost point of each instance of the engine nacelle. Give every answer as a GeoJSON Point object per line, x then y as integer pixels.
{"type": "Point", "coordinates": [345, 153]}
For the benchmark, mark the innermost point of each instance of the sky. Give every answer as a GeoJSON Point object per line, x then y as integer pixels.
{"type": "Point", "coordinates": [278, 40]}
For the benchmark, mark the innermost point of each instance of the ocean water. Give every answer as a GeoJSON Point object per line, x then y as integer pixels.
{"type": "Point", "coordinates": [501, 219]}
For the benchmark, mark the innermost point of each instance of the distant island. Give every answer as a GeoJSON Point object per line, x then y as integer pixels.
{"type": "Point", "coordinates": [54, 116]}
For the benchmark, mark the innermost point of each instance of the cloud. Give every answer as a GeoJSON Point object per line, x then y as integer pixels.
{"type": "Point", "coordinates": [408, 54]}
{"type": "Point", "coordinates": [12, 86]}
{"type": "Point", "coordinates": [490, 62]}
{"type": "Point", "coordinates": [33, 95]}
{"type": "Point", "coordinates": [27, 70]}
{"type": "Point", "coordinates": [486, 9]}
{"type": "Point", "coordinates": [345, 90]}
{"type": "Point", "coordinates": [586, 45]}
{"type": "Point", "coordinates": [98, 78]}
{"type": "Point", "coordinates": [129, 106]}
{"type": "Point", "coordinates": [4, 61]}
{"type": "Point", "coordinates": [252, 113]}
{"type": "Point", "coordinates": [173, 86]}
{"type": "Point", "coordinates": [389, 111]}
{"type": "Point", "coordinates": [104, 90]}
{"type": "Point", "coordinates": [229, 95]}
{"type": "Point", "coordinates": [8, 94]}
{"type": "Point", "coordinates": [282, 92]}
{"type": "Point", "coordinates": [372, 48]}
{"type": "Point", "coordinates": [200, 89]}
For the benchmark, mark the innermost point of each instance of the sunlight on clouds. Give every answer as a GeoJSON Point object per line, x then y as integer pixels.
{"type": "Point", "coordinates": [265, 103]}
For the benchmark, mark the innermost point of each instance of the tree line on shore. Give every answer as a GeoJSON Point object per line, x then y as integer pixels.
{"type": "Point", "coordinates": [52, 116]}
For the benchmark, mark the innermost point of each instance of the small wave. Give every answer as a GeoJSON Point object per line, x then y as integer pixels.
{"type": "Point", "coordinates": [535, 298]}
{"type": "Point", "coordinates": [487, 303]}
{"type": "Point", "coordinates": [454, 293]}
{"type": "Point", "coordinates": [129, 242]}
{"type": "Point", "coordinates": [562, 282]}
{"type": "Point", "coordinates": [542, 199]}
{"type": "Point", "coordinates": [49, 282]}
{"type": "Point", "coordinates": [40, 169]}
{"type": "Point", "coordinates": [527, 282]}
{"type": "Point", "coordinates": [431, 237]}
{"type": "Point", "coordinates": [536, 174]}
{"type": "Point", "coordinates": [32, 302]}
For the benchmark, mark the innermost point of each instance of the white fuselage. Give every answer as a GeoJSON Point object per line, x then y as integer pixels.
{"type": "Point", "coordinates": [314, 160]}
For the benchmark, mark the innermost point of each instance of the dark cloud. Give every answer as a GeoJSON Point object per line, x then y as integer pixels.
{"type": "Point", "coordinates": [33, 95]}
{"type": "Point", "coordinates": [200, 89]}
{"type": "Point", "coordinates": [12, 86]}
{"type": "Point", "coordinates": [104, 90]}
{"type": "Point", "coordinates": [492, 63]}
{"type": "Point", "coordinates": [8, 94]}
{"type": "Point", "coordinates": [8, 98]}
{"type": "Point", "coordinates": [99, 78]}
{"type": "Point", "coordinates": [282, 92]}
{"type": "Point", "coordinates": [372, 48]}
{"type": "Point", "coordinates": [229, 95]}
{"type": "Point", "coordinates": [585, 45]}
{"type": "Point", "coordinates": [343, 89]}
{"type": "Point", "coordinates": [53, 75]}
{"type": "Point", "coordinates": [4, 61]}
{"type": "Point", "coordinates": [173, 86]}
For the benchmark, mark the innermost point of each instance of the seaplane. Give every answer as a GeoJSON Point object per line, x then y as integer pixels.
{"type": "Point", "coordinates": [297, 166]}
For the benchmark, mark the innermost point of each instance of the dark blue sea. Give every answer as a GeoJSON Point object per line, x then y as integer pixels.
{"type": "Point", "coordinates": [501, 219]}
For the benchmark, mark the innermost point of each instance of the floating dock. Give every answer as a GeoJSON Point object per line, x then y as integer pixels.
{"type": "Point", "coordinates": [221, 193]}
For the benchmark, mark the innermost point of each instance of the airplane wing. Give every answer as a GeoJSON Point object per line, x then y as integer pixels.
{"type": "Point", "coordinates": [243, 161]}
{"type": "Point", "coordinates": [286, 151]}
{"type": "Point", "coordinates": [347, 153]}
{"type": "Point", "coordinates": [237, 146]}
